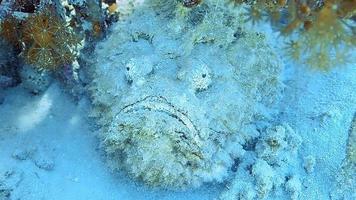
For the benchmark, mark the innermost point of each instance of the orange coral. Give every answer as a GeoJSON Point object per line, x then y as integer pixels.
{"type": "Point", "coordinates": [46, 40]}
{"type": "Point", "coordinates": [256, 8]}
{"type": "Point", "coordinates": [293, 49]}
{"type": "Point", "coordinates": [49, 41]}
{"type": "Point", "coordinates": [41, 29]}
{"type": "Point", "coordinates": [10, 30]}
{"type": "Point", "coordinates": [346, 8]}
{"type": "Point", "coordinates": [326, 37]}
{"type": "Point", "coordinates": [112, 8]}
{"type": "Point", "coordinates": [322, 33]}
{"type": "Point", "coordinates": [253, 14]}
{"type": "Point", "coordinates": [97, 29]}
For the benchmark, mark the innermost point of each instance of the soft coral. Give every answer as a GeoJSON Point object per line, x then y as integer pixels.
{"type": "Point", "coordinates": [322, 35]}
{"type": "Point", "coordinates": [49, 41]}
{"type": "Point", "coordinates": [326, 37]}
{"type": "Point", "coordinates": [44, 39]}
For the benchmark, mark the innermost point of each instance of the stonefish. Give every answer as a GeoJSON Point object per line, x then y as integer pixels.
{"type": "Point", "coordinates": [175, 90]}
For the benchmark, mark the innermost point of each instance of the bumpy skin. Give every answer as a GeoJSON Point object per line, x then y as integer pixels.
{"type": "Point", "coordinates": [173, 90]}
{"type": "Point", "coordinates": [268, 169]}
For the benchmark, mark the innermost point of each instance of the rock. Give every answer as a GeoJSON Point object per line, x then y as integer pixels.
{"type": "Point", "coordinates": [23, 154]}
{"type": "Point", "coordinates": [9, 180]}
{"type": "Point", "coordinates": [309, 164]}
{"type": "Point", "coordinates": [5, 192]}
{"type": "Point", "coordinates": [35, 80]}
{"type": "Point", "coordinates": [5, 81]}
{"type": "Point", "coordinates": [13, 178]}
{"type": "Point", "coordinates": [44, 163]}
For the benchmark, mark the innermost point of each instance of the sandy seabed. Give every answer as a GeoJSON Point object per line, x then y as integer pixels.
{"type": "Point", "coordinates": [49, 150]}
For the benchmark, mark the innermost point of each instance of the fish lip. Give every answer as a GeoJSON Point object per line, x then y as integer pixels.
{"type": "Point", "coordinates": [161, 104]}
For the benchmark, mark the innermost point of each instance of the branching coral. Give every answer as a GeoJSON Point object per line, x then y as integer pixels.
{"type": "Point", "coordinates": [9, 30]}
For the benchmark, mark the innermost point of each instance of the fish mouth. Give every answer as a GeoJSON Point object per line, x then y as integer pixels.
{"type": "Point", "coordinates": [161, 104]}
{"type": "Point", "coordinates": [190, 135]}
{"type": "Point", "coordinates": [152, 135]}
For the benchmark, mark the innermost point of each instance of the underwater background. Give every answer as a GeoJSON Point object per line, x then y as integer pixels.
{"type": "Point", "coordinates": [177, 99]}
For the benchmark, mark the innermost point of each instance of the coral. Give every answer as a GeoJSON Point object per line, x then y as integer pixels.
{"type": "Point", "coordinates": [324, 34]}
{"type": "Point", "coordinates": [49, 42]}
{"type": "Point", "coordinates": [272, 145]}
{"type": "Point", "coordinates": [293, 49]}
{"type": "Point", "coordinates": [9, 30]}
{"type": "Point", "coordinates": [253, 14]}
{"type": "Point", "coordinates": [242, 186]}
{"type": "Point", "coordinates": [328, 34]}
{"type": "Point", "coordinates": [77, 2]}
{"type": "Point", "coordinates": [112, 8]}
{"type": "Point", "coordinates": [44, 39]}
{"type": "Point", "coordinates": [160, 97]}
{"type": "Point", "coordinates": [87, 18]}
{"type": "Point", "coordinates": [256, 10]}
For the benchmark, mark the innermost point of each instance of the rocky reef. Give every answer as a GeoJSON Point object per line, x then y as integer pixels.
{"type": "Point", "coordinates": [175, 88]}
